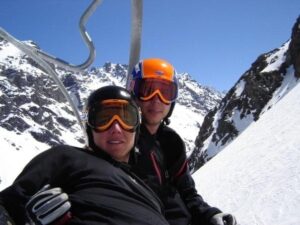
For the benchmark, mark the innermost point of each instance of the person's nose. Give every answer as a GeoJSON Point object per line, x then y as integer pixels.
{"type": "Point", "coordinates": [116, 127]}
{"type": "Point", "coordinates": [156, 98]}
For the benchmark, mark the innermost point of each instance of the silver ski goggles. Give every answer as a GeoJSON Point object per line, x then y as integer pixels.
{"type": "Point", "coordinates": [101, 116]}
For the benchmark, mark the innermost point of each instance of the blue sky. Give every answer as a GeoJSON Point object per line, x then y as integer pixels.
{"type": "Point", "coordinates": [214, 41]}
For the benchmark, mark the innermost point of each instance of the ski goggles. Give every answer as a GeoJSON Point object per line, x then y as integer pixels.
{"type": "Point", "coordinates": [146, 89]}
{"type": "Point", "coordinates": [101, 116]}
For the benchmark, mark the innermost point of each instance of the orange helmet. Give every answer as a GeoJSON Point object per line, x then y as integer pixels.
{"type": "Point", "coordinates": [153, 76]}
{"type": "Point", "coordinates": [154, 68]}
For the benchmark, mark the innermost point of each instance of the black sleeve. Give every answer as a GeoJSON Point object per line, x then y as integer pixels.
{"type": "Point", "coordinates": [173, 149]}
{"type": "Point", "coordinates": [5, 219]}
{"type": "Point", "coordinates": [181, 178]}
{"type": "Point", "coordinates": [201, 212]}
{"type": "Point", "coordinates": [37, 173]}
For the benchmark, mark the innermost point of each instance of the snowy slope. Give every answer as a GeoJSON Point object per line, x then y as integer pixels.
{"type": "Point", "coordinates": [257, 176]}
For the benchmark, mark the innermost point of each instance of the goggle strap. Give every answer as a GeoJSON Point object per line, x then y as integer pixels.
{"type": "Point", "coordinates": [114, 101]}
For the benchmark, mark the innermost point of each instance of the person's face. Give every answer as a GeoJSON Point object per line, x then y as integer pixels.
{"type": "Point", "coordinates": [154, 110]}
{"type": "Point", "coordinates": [115, 141]}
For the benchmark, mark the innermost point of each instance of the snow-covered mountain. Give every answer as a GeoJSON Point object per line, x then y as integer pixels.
{"type": "Point", "coordinates": [35, 115]}
{"type": "Point", "coordinates": [257, 176]}
{"type": "Point", "coordinates": [270, 77]}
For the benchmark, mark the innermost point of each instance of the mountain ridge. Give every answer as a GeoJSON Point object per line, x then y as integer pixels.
{"type": "Point", "coordinates": [23, 81]}
{"type": "Point", "coordinates": [270, 77]}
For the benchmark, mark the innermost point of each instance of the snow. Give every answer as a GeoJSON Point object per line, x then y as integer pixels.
{"type": "Point", "coordinates": [12, 162]}
{"type": "Point", "coordinates": [186, 124]}
{"type": "Point", "coordinates": [287, 84]}
{"type": "Point", "coordinates": [240, 88]}
{"type": "Point", "coordinates": [208, 143]}
{"type": "Point", "coordinates": [9, 50]}
{"type": "Point", "coordinates": [257, 176]}
{"type": "Point", "coordinates": [275, 60]}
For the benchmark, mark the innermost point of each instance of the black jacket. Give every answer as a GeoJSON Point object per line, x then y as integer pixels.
{"type": "Point", "coordinates": [162, 164]}
{"type": "Point", "coordinates": [101, 190]}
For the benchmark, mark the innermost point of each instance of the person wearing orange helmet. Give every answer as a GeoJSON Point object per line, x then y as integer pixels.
{"type": "Point", "coordinates": [162, 161]}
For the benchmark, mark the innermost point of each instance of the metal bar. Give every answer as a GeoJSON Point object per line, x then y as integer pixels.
{"type": "Point", "coordinates": [136, 31]}
{"type": "Point", "coordinates": [88, 41]}
{"type": "Point", "coordinates": [31, 52]}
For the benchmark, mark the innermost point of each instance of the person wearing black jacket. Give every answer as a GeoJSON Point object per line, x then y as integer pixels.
{"type": "Point", "coordinates": [162, 161]}
{"type": "Point", "coordinates": [97, 181]}
{"type": "Point", "coordinates": [162, 164]}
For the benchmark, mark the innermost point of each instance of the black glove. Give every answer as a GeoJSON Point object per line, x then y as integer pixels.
{"type": "Point", "coordinates": [223, 219]}
{"type": "Point", "coordinates": [48, 205]}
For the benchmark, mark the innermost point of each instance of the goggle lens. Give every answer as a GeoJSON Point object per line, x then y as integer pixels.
{"type": "Point", "coordinates": [146, 89]}
{"type": "Point", "coordinates": [104, 114]}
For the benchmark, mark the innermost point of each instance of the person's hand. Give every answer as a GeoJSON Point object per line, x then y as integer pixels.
{"type": "Point", "coordinates": [48, 205]}
{"type": "Point", "coordinates": [223, 219]}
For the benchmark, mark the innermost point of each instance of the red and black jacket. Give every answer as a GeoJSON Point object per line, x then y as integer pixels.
{"type": "Point", "coordinates": [162, 164]}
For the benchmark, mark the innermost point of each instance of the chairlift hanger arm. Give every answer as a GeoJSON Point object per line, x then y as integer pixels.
{"type": "Point", "coordinates": [136, 33]}
{"type": "Point", "coordinates": [32, 53]}
{"type": "Point", "coordinates": [88, 41]}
